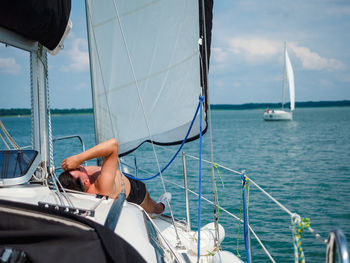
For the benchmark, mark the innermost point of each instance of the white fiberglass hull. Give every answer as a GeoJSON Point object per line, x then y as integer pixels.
{"type": "Point", "coordinates": [133, 227]}
{"type": "Point", "coordinates": [278, 115]}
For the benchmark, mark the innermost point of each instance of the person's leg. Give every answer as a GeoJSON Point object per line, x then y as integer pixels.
{"type": "Point", "coordinates": [151, 206]}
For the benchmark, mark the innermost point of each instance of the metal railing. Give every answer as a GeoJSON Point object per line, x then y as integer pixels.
{"type": "Point", "coordinates": [336, 240]}
{"type": "Point", "coordinates": [342, 246]}
{"type": "Point", "coordinates": [71, 137]}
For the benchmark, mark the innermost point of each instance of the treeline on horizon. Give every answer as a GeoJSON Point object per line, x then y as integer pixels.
{"type": "Point", "coordinates": [307, 104]}
{"type": "Point", "coordinates": [246, 106]}
{"type": "Point", "coordinates": [23, 112]}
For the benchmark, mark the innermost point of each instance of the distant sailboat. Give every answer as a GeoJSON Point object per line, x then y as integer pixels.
{"type": "Point", "coordinates": [288, 82]}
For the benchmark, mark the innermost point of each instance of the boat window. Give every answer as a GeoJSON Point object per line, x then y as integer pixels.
{"type": "Point", "coordinates": [17, 166]}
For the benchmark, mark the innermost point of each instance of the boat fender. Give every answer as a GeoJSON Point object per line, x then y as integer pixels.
{"type": "Point", "coordinates": [207, 239]}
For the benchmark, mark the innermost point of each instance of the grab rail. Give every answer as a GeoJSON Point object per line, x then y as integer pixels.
{"type": "Point", "coordinates": [337, 239]}
{"type": "Point", "coordinates": [71, 137]}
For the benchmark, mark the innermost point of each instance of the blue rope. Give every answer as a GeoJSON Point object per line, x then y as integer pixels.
{"type": "Point", "coordinates": [200, 180]}
{"type": "Point", "coordinates": [245, 219]}
{"type": "Point", "coordinates": [183, 142]}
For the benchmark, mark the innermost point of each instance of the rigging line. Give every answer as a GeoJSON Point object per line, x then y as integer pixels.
{"type": "Point", "coordinates": [245, 199]}
{"type": "Point", "coordinates": [230, 214]}
{"type": "Point", "coordinates": [216, 164]}
{"type": "Point", "coordinates": [166, 241]}
{"type": "Point", "coordinates": [272, 198]}
{"type": "Point", "coordinates": [100, 68]}
{"type": "Point", "coordinates": [104, 85]}
{"type": "Point", "coordinates": [137, 86]}
{"type": "Point", "coordinates": [144, 113]}
{"type": "Point", "coordinates": [43, 59]}
{"type": "Point", "coordinates": [8, 136]}
{"type": "Point", "coordinates": [173, 158]}
{"type": "Point", "coordinates": [47, 88]}
{"type": "Point", "coordinates": [55, 181]}
{"type": "Point", "coordinates": [90, 25]}
{"type": "Point", "coordinates": [317, 236]}
{"type": "Point", "coordinates": [31, 100]}
{"type": "Point", "coordinates": [3, 139]}
{"type": "Point", "coordinates": [200, 179]}
{"type": "Point", "coordinates": [254, 183]}
{"type": "Point", "coordinates": [206, 81]}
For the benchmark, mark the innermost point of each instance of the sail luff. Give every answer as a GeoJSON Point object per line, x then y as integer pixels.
{"type": "Point", "coordinates": [290, 79]}
{"type": "Point", "coordinates": [284, 86]}
{"type": "Point", "coordinates": [92, 65]}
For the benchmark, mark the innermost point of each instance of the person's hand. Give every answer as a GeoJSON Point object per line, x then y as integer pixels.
{"type": "Point", "coordinates": [70, 163]}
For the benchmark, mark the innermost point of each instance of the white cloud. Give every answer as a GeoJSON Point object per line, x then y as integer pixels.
{"type": "Point", "coordinates": [252, 47]}
{"type": "Point", "coordinates": [251, 50]}
{"type": "Point", "coordinates": [219, 54]}
{"type": "Point", "coordinates": [257, 50]}
{"type": "Point", "coordinates": [9, 66]}
{"type": "Point", "coordinates": [78, 55]}
{"type": "Point", "coordinates": [313, 61]}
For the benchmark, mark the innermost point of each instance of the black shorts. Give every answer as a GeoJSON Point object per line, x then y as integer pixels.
{"type": "Point", "coordinates": [137, 191]}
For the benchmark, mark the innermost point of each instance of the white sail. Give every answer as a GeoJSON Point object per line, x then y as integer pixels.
{"type": "Point", "coordinates": [288, 83]}
{"type": "Point", "coordinates": [145, 70]}
{"type": "Point", "coordinates": [290, 80]}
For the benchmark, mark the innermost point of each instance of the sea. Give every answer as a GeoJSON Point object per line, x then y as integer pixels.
{"type": "Point", "coordinates": [304, 164]}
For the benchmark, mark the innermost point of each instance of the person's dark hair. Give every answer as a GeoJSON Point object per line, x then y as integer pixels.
{"type": "Point", "coordinates": [68, 181]}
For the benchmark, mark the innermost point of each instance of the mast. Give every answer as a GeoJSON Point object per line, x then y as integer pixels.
{"type": "Point", "coordinates": [40, 107]}
{"type": "Point", "coordinates": [39, 94]}
{"type": "Point", "coordinates": [25, 31]}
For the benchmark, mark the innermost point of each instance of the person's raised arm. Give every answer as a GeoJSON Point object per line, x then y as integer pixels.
{"type": "Point", "coordinates": [107, 149]}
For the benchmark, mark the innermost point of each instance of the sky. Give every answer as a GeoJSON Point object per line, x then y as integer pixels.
{"type": "Point", "coordinates": [246, 63]}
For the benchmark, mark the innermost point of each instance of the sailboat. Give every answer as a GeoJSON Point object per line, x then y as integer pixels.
{"type": "Point", "coordinates": [149, 62]}
{"type": "Point", "coordinates": [142, 56]}
{"type": "Point", "coordinates": [288, 85]}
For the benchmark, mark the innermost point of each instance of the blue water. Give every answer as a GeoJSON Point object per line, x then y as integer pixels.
{"type": "Point", "coordinates": [304, 164]}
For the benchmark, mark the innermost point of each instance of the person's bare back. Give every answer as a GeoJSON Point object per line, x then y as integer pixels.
{"type": "Point", "coordinates": [107, 180]}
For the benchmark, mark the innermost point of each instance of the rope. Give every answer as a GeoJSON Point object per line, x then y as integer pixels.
{"type": "Point", "coordinates": [144, 114]}
{"type": "Point", "coordinates": [205, 81]}
{"type": "Point", "coordinates": [245, 207]}
{"type": "Point", "coordinates": [8, 136]}
{"type": "Point", "coordinates": [173, 158]}
{"type": "Point", "coordinates": [245, 216]}
{"type": "Point", "coordinates": [216, 166]}
{"type": "Point", "coordinates": [200, 179]}
{"type": "Point", "coordinates": [4, 141]}
{"type": "Point", "coordinates": [298, 225]}
{"type": "Point", "coordinates": [227, 212]}
{"type": "Point", "coordinates": [216, 191]}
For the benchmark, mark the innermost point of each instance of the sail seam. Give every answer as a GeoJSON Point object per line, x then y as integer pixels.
{"type": "Point", "coordinates": [151, 75]}
{"type": "Point", "coordinates": [126, 13]}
